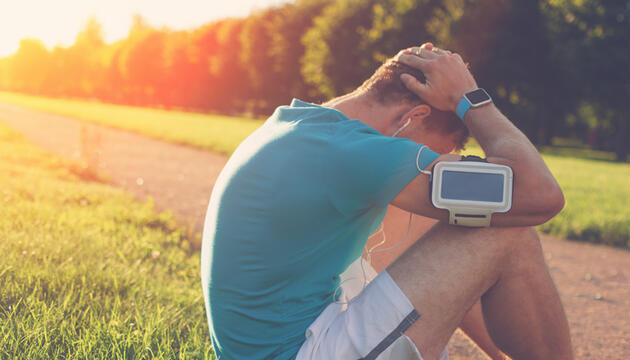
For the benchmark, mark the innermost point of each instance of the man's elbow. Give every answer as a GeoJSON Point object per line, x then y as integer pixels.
{"type": "Point", "coordinates": [542, 206]}
{"type": "Point", "coordinates": [559, 201]}
{"type": "Point", "coordinates": [551, 202]}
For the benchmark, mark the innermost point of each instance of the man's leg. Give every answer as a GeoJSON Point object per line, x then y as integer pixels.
{"type": "Point", "coordinates": [395, 227]}
{"type": "Point", "coordinates": [474, 326]}
{"type": "Point", "coordinates": [445, 272]}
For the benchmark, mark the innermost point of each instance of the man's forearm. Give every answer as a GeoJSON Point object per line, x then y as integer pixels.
{"type": "Point", "coordinates": [504, 143]}
{"type": "Point", "coordinates": [495, 133]}
{"type": "Point", "coordinates": [501, 139]}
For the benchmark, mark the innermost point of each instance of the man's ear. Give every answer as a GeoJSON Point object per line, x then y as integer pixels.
{"type": "Point", "coordinates": [420, 112]}
{"type": "Point", "coordinates": [417, 114]}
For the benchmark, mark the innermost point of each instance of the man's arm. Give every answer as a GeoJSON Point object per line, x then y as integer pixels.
{"type": "Point", "coordinates": [537, 197]}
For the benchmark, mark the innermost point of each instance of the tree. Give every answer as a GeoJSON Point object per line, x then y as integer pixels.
{"type": "Point", "coordinates": [5, 82]}
{"type": "Point", "coordinates": [85, 71]}
{"type": "Point", "coordinates": [256, 58]}
{"type": "Point", "coordinates": [593, 36]}
{"type": "Point", "coordinates": [351, 38]}
{"type": "Point", "coordinates": [28, 66]}
{"type": "Point", "coordinates": [334, 62]}
{"type": "Point", "coordinates": [287, 28]}
{"type": "Point", "coordinates": [228, 89]}
{"type": "Point", "coordinates": [143, 67]}
{"type": "Point", "coordinates": [183, 71]}
{"type": "Point", "coordinates": [506, 43]}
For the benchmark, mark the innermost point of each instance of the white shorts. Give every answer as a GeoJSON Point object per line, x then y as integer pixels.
{"type": "Point", "coordinates": [364, 324]}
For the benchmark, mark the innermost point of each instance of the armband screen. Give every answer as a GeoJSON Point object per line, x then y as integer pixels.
{"type": "Point", "coordinates": [459, 185]}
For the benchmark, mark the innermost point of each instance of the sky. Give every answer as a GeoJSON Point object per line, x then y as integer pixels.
{"type": "Point", "coordinates": [57, 22]}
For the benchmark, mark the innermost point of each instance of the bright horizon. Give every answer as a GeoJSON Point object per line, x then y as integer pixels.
{"type": "Point", "coordinates": [59, 22]}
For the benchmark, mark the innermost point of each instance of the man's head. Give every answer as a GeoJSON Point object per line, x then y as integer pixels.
{"type": "Point", "coordinates": [440, 130]}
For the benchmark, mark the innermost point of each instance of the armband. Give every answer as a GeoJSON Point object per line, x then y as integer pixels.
{"type": "Point", "coordinates": [471, 190]}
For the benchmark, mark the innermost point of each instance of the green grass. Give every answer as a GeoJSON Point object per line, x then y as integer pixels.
{"type": "Point", "coordinates": [86, 272]}
{"type": "Point", "coordinates": [212, 132]}
{"type": "Point", "coordinates": [596, 189]}
{"type": "Point", "coordinates": [597, 197]}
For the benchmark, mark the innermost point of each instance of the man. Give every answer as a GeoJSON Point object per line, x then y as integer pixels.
{"type": "Point", "coordinates": [296, 202]}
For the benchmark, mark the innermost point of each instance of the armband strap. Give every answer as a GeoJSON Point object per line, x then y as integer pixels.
{"type": "Point", "coordinates": [471, 218]}
{"type": "Point", "coordinates": [425, 157]}
{"type": "Point", "coordinates": [473, 158]}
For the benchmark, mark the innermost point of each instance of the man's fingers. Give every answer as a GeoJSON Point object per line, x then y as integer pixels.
{"type": "Point", "coordinates": [458, 57]}
{"type": "Point", "coordinates": [414, 61]}
{"type": "Point", "coordinates": [414, 84]}
{"type": "Point", "coordinates": [425, 52]}
{"type": "Point", "coordinates": [439, 51]}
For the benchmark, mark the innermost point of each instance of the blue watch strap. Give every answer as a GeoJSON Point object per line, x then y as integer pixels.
{"type": "Point", "coordinates": [463, 107]}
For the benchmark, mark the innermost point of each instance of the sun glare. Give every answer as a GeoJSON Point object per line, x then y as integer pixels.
{"type": "Point", "coordinates": [58, 22]}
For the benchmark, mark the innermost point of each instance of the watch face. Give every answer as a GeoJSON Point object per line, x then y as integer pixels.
{"type": "Point", "coordinates": [478, 96]}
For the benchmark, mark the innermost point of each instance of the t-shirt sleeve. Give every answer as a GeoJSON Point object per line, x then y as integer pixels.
{"type": "Point", "coordinates": [368, 169]}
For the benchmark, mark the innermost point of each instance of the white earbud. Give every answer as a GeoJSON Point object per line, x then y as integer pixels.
{"type": "Point", "coordinates": [402, 127]}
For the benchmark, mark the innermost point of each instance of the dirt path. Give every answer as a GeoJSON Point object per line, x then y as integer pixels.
{"type": "Point", "coordinates": [594, 281]}
{"type": "Point", "coordinates": [178, 177]}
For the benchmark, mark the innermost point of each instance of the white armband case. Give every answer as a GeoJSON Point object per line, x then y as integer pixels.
{"type": "Point", "coordinates": [471, 190]}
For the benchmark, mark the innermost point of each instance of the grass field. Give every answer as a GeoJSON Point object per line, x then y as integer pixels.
{"type": "Point", "coordinates": [597, 200]}
{"type": "Point", "coordinates": [597, 191]}
{"type": "Point", "coordinates": [88, 273]}
{"type": "Point", "coordinates": [212, 132]}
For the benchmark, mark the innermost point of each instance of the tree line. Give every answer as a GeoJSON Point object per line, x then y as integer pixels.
{"type": "Point", "coordinates": [557, 68]}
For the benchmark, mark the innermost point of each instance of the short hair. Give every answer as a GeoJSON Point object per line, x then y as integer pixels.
{"type": "Point", "coordinates": [387, 88]}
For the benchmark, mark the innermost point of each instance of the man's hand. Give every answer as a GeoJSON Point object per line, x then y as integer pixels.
{"type": "Point", "coordinates": [447, 77]}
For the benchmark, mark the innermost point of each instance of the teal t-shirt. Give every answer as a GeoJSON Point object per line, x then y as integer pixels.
{"type": "Point", "coordinates": [292, 208]}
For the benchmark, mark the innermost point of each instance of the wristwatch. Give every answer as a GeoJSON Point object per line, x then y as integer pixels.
{"type": "Point", "coordinates": [472, 99]}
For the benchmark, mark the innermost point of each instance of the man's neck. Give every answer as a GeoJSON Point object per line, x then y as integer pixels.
{"type": "Point", "coordinates": [363, 107]}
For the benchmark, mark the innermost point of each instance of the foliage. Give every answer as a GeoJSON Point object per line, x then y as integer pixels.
{"type": "Point", "coordinates": [499, 39]}
{"type": "Point", "coordinates": [351, 38]}
{"type": "Point", "coordinates": [541, 60]}
{"type": "Point", "coordinates": [334, 61]}
{"type": "Point", "coordinates": [580, 31]}
{"type": "Point", "coordinates": [25, 68]}
{"type": "Point", "coordinates": [89, 273]}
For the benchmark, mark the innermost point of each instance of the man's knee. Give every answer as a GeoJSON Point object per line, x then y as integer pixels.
{"type": "Point", "coordinates": [519, 238]}
{"type": "Point", "coordinates": [511, 236]}
{"type": "Point", "coordinates": [502, 235]}
{"type": "Point", "coordinates": [496, 245]}
{"type": "Point", "coordinates": [513, 246]}
{"type": "Point", "coordinates": [503, 240]}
